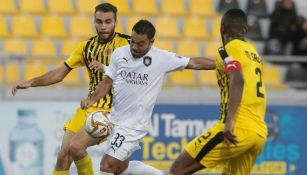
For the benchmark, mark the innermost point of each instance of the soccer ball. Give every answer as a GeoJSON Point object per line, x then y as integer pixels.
{"type": "Point", "coordinates": [98, 124]}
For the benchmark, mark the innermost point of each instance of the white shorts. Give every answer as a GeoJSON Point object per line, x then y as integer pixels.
{"type": "Point", "coordinates": [122, 142]}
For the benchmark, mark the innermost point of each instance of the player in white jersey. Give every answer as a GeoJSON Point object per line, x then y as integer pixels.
{"type": "Point", "coordinates": [136, 73]}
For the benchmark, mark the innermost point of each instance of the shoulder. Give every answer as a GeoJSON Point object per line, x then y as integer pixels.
{"type": "Point", "coordinates": [88, 41]}
{"type": "Point", "coordinates": [84, 42]}
{"type": "Point", "coordinates": [236, 45]}
{"type": "Point", "coordinates": [123, 50]}
{"type": "Point", "coordinates": [91, 39]}
{"type": "Point", "coordinates": [160, 52]}
{"type": "Point", "coordinates": [122, 36]}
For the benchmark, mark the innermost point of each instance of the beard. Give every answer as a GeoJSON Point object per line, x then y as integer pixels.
{"type": "Point", "coordinates": [106, 37]}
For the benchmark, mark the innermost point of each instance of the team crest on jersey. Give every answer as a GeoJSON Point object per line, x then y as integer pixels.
{"type": "Point", "coordinates": [147, 61]}
{"type": "Point", "coordinates": [108, 51]}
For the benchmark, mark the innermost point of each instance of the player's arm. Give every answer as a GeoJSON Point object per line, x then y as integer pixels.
{"type": "Point", "coordinates": [102, 90]}
{"type": "Point", "coordinates": [201, 63]}
{"type": "Point", "coordinates": [98, 66]}
{"type": "Point", "coordinates": [234, 71]}
{"type": "Point", "coordinates": [49, 78]}
{"type": "Point", "coordinates": [235, 96]}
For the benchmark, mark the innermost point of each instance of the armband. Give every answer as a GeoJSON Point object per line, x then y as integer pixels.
{"type": "Point", "coordinates": [232, 66]}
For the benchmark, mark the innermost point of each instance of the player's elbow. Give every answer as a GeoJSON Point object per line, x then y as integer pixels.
{"type": "Point", "coordinates": [58, 80]}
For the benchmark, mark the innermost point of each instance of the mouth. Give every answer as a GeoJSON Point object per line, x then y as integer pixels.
{"type": "Point", "coordinates": [135, 52]}
{"type": "Point", "coordinates": [104, 33]}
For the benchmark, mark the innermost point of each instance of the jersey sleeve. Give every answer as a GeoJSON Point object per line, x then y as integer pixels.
{"type": "Point", "coordinates": [234, 50]}
{"type": "Point", "coordinates": [125, 42]}
{"type": "Point", "coordinates": [76, 58]}
{"type": "Point", "coordinates": [111, 69]}
{"type": "Point", "coordinates": [219, 61]}
{"type": "Point", "coordinates": [173, 62]}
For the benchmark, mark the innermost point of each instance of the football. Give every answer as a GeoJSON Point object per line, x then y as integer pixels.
{"type": "Point", "coordinates": [98, 124]}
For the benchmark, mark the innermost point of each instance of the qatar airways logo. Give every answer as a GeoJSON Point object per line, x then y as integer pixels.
{"type": "Point", "coordinates": [135, 78]}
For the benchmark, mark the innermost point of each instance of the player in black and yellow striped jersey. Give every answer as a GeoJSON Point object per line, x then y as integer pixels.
{"type": "Point", "coordinates": [94, 54]}
{"type": "Point", "coordinates": [95, 50]}
{"type": "Point", "coordinates": [236, 141]}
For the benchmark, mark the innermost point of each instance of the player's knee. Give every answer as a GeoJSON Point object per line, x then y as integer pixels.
{"type": "Point", "coordinates": [75, 149]}
{"type": "Point", "coordinates": [63, 159]}
{"type": "Point", "coordinates": [122, 167]}
{"type": "Point", "coordinates": [63, 154]}
{"type": "Point", "coordinates": [176, 169]}
{"type": "Point", "coordinates": [108, 167]}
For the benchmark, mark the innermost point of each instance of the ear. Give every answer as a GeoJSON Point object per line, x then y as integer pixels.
{"type": "Point", "coordinates": [152, 41]}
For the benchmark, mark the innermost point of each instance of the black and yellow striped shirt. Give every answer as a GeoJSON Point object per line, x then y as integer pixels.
{"type": "Point", "coordinates": [94, 49]}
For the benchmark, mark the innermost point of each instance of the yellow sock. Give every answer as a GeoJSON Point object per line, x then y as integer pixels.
{"type": "Point", "coordinates": [85, 166]}
{"type": "Point", "coordinates": [66, 172]}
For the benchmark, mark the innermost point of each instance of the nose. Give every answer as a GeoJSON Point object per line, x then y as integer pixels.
{"type": "Point", "coordinates": [134, 47]}
{"type": "Point", "coordinates": [103, 26]}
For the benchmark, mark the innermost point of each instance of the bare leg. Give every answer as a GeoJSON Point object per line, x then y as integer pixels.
{"type": "Point", "coordinates": [185, 165]}
{"type": "Point", "coordinates": [112, 165]}
{"type": "Point", "coordinates": [79, 143]}
{"type": "Point", "coordinates": [64, 158]}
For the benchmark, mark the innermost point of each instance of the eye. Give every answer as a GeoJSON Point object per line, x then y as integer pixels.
{"type": "Point", "coordinates": [109, 21]}
{"type": "Point", "coordinates": [98, 21]}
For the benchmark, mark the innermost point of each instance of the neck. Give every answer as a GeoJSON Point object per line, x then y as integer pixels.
{"type": "Point", "coordinates": [228, 38]}
{"type": "Point", "coordinates": [106, 40]}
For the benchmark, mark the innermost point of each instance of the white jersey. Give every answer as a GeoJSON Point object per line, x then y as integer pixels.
{"type": "Point", "coordinates": [137, 83]}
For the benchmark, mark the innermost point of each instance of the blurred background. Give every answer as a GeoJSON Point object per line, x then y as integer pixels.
{"type": "Point", "coordinates": [38, 35]}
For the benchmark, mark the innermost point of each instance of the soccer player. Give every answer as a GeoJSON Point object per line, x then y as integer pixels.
{"type": "Point", "coordinates": [94, 54]}
{"type": "Point", "coordinates": [136, 72]}
{"type": "Point", "coordinates": [240, 135]}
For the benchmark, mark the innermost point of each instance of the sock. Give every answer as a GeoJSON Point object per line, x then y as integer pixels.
{"type": "Point", "coordinates": [85, 166]}
{"type": "Point", "coordinates": [65, 172]}
{"type": "Point", "coordinates": [140, 168]}
{"type": "Point", "coordinates": [104, 173]}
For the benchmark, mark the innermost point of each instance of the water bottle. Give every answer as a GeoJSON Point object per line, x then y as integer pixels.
{"type": "Point", "coordinates": [26, 144]}
{"type": "Point", "coordinates": [1, 167]}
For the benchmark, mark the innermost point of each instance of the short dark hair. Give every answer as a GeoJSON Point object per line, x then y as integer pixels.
{"type": "Point", "coordinates": [235, 17]}
{"type": "Point", "coordinates": [106, 7]}
{"type": "Point", "coordinates": [143, 26]}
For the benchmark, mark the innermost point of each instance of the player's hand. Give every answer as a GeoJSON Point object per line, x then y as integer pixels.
{"type": "Point", "coordinates": [229, 137]}
{"type": "Point", "coordinates": [96, 65]}
{"type": "Point", "coordinates": [86, 103]}
{"type": "Point", "coordinates": [24, 85]}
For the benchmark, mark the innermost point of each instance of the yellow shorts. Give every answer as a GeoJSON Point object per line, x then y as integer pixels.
{"type": "Point", "coordinates": [78, 120]}
{"type": "Point", "coordinates": [210, 150]}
